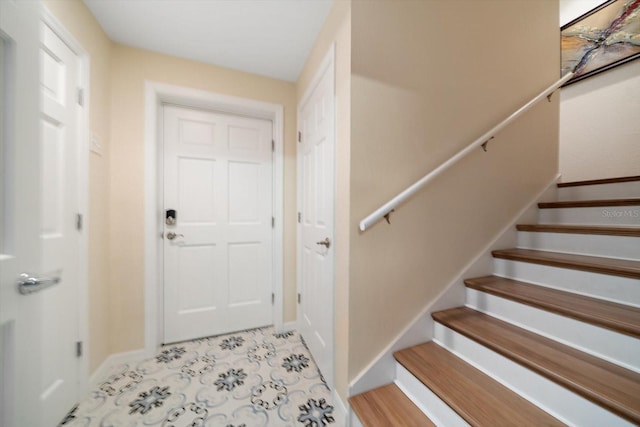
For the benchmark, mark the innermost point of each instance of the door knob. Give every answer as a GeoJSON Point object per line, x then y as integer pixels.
{"type": "Point", "coordinates": [28, 284]}
{"type": "Point", "coordinates": [171, 235]}
{"type": "Point", "coordinates": [326, 242]}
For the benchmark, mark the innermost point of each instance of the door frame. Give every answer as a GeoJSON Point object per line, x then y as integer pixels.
{"type": "Point", "coordinates": [327, 65]}
{"type": "Point", "coordinates": [157, 94]}
{"type": "Point", "coordinates": [82, 287]}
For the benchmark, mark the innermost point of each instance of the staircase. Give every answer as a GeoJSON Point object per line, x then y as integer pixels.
{"type": "Point", "coordinates": [551, 338]}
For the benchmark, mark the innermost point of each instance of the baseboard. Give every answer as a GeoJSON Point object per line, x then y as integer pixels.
{"type": "Point", "coordinates": [289, 326]}
{"type": "Point", "coordinates": [381, 370]}
{"type": "Point", "coordinates": [354, 421]}
{"type": "Point", "coordinates": [339, 409]}
{"type": "Point", "coordinates": [104, 370]}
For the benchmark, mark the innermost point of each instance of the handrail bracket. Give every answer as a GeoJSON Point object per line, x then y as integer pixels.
{"type": "Point", "coordinates": [486, 144]}
{"type": "Point", "coordinates": [387, 216]}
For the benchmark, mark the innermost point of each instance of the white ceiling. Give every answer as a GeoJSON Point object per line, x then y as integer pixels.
{"type": "Point", "coordinates": [267, 37]}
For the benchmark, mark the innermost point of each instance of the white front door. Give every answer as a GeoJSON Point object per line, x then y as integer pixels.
{"type": "Point", "coordinates": [316, 160]}
{"type": "Point", "coordinates": [218, 254]}
{"type": "Point", "coordinates": [38, 207]}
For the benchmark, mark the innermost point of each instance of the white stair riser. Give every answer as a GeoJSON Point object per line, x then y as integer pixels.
{"type": "Point", "coordinates": [354, 421]}
{"type": "Point", "coordinates": [623, 290]}
{"type": "Point", "coordinates": [429, 403]}
{"type": "Point", "coordinates": [621, 190]}
{"type": "Point", "coordinates": [614, 347]}
{"type": "Point", "coordinates": [609, 215]}
{"type": "Point", "coordinates": [563, 404]}
{"type": "Point", "coordinates": [582, 244]}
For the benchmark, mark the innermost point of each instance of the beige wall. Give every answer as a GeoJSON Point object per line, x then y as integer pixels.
{"type": "Point", "coordinates": [130, 67]}
{"type": "Point", "coordinates": [427, 79]}
{"type": "Point", "coordinates": [337, 30]}
{"type": "Point", "coordinates": [599, 126]}
{"type": "Point", "coordinates": [77, 19]}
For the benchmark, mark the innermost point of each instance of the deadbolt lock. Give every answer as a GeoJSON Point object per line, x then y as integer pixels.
{"type": "Point", "coordinates": [170, 217]}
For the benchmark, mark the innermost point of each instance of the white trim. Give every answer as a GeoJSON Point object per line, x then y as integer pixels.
{"type": "Point", "coordinates": [354, 421]}
{"type": "Point", "coordinates": [426, 400]}
{"type": "Point", "coordinates": [340, 413]}
{"type": "Point", "coordinates": [104, 370]}
{"type": "Point", "coordinates": [84, 81]}
{"type": "Point", "coordinates": [156, 94]}
{"type": "Point", "coordinates": [381, 370]}
{"type": "Point", "coordinates": [288, 326]}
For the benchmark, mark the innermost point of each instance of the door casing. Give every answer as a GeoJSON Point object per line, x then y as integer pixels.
{"type": "Point", "coordinates": [157, 94]}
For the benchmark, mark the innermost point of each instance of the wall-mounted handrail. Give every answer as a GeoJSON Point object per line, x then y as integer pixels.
{"type": "Point", "coordinates": [385, 210]}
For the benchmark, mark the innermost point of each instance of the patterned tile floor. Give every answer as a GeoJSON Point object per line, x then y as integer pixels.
{"type": "Point", "coordinates": [249, 379]}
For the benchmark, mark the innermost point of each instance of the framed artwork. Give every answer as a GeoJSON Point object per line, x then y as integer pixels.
{"type": "Point", "coordinates": [601, 39]}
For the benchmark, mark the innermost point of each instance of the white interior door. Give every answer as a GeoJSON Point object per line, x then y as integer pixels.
{"type": "Point", "coordinates": [316, 183]}
{"type": "Point", "coordinates": [38, 206]}
{"type": "Point", "coordinates": [218, 255]}
{"type": "Point", "coordinates": [60, 227]}
{"type": "Point", "coordinates": [20, 344]}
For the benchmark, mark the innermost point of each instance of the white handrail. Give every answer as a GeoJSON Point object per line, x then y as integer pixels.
{"type": "Point", "coordinates": [386, 209]}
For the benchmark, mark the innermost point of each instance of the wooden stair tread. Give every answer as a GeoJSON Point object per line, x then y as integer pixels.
{"type": "Point", "coordinates": [611, 266]}
{"type": "Point", "coordinates": [617, 317]}
{"type": "Point", "coordinates": [476, 397]}
{"type": "Point", "coordinates": [599, 181]}
{"type": "Point", "coordinates": [610, 386]}
{"type": "Point", "coordinates": [388, 406]}
{"type": "Point", "coordinates": [589, 203]}
{"type": "Point", "coordinates": [580, 229]}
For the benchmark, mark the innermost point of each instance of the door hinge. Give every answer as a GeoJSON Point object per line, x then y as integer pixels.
{"type": "Point", "coordinates": [299, 217]}
{"type": "Point", "coordinates": [79, 222]}
{"type": "Point", "coordinates": [299, 298]}
{"type": "Point", "coordinates": [78, 348]}
{"type": "Point", "coordinates": [81, 97]}
{"type": "Point", "coordinates": [273, 298]}
{"type": "Point", "coordinates": [299, 136]}
{"type": "Point", "coordinates": [273, 222]}
{"type": "Point", "coordinates": [273, 146]}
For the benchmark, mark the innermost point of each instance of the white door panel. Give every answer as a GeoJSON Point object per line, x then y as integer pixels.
{"type": "Point", "coordinates": [39, 205]}
{"type": "Point", "coordinates": [20, 316]}
{"type": "Point", "coordinates": [316, 192]}
{"type": "Point", "coordinates": [59, 123]}
{"type": "Point", "coordinates": [218, 179]}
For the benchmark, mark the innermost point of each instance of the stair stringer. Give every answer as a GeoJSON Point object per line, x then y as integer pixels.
{"type": "Point", "coordinates": [382, 370]}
